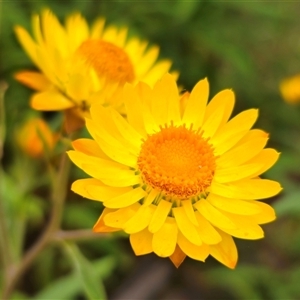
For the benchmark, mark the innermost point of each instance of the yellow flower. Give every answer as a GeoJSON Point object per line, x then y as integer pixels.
{"type": "Point", "coordinates": [34, 136]}
{"type": "Point", "coordinates": [176, 175]}
{"type": "Point", "coordinates": [290, 89]}
{"type": "Point", "coordinates": [79, 64]}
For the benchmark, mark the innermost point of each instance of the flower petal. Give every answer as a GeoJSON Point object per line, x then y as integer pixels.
{"type": "Point", "coordinates": [207, 232]}
{"type": "Point", "coordinates": [160, 215]}
{"type": "Point", "coordinates": [100, 226]}
{"type": "Point", "coordinates": [213, 215]}
{"type": "Point", "coordinates": [34, 80]}
{"type": "Point", "coordinates": [186, 226]}
{"type": "Point", "coordinates": [140, 220]}
{"type": "Point", "coordinates": [242, 153]}
{"type": "Point", "coordinates": [248, 189]}
{"type": "Point", "coordinates": [141, 242]}
{"type": "Point", "coordinates": [225, 252]}
{"type": "Point", "coordinates": [165, 239]}
{"type": "Point", "coordinates": [224, 102]}
{"type": "Point", "coordinates": [50, 99]}
{"type": "Point", "coordinates": [126, 199]}
{"type": "Point", "coordinates": [236, 173]}
{"type": "Point", "coordinates": [196, 104]}
{"type": "Point", "coordinates": [235, 206]}
{"type": "Point", "coordinates": [192, 250]}
{"type": "Point", "coordinates": [118, 218]}
{"type": "Point", "coordinates": [177, 257]}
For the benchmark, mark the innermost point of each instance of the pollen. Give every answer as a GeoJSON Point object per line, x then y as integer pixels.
{"type": "Point", "coordinates": [108, 60]}
{"type": "Point", "coordinates": [177, 161]}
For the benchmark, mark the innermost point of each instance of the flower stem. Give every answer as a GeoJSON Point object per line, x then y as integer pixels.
{"type": "Point", "coordinates": [77, 235]}
{"type": "Point", "coordinates": [58, 198]}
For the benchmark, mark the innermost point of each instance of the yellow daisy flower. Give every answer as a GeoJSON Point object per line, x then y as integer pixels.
{"type": "Point", "coordinates": [290, 89]}
{"type": "Point", "coordinates": [176, 175]}
{"type": "Point", "coordinates": [79, 64]}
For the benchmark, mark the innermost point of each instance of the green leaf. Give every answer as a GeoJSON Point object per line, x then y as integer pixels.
{"type": "Point", "coordinates": [67, 287]}
{"type": "Point", "coordinates": [92, 286]}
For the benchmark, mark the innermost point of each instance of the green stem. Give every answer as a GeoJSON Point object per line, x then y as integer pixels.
{"type": "Point", "coordinates": [58, 198]}
{"type": "Point", "coordinates": [5, 245]}
{"type": "Point", "coordinates": [77, 235]}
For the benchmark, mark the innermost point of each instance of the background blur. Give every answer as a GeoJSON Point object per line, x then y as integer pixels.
{"type": "Point", "coordinates": [247, 46]}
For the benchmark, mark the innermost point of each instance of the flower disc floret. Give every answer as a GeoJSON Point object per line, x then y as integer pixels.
{"type": "Point", "coordinates": [177, 161]}
{"type": "Point", "coordinates": [108, 60]}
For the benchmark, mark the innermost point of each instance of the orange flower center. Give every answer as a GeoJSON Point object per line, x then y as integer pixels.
{"type": "Point", "coordinates": [107, 60]}
{"type": "Point", "coordinates": [177, 161]}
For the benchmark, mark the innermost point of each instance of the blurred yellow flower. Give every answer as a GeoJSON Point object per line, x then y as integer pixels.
{"type": "Point", "coordinates": [176, 175]}
{"type": "Point", "coordinates": [290, 89]}
{"type": "Point", "coordinates": [79, 64]}
{"type": "Point", "coordinates": [34, 136]}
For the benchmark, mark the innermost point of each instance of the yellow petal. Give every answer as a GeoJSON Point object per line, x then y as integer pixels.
{"type": "Point", "coordinates": [236, 173]}
{"type": "Point", "coordinates": [266, 215]}
{"type": "Point", "coordinates": [186, 226]}
{"type": "Point", "coordinates": [242, 153]}
{"type": "Point", "coordinates": [196, 104]}
{"type": "Point", "coordinates": [135, 49]}
{"type": "Point", "coordinates": [141, 242]}
{"type": "Point", "coordinates": [97, 28]}
{"type": "Point", "coordinates": [236, 206]}
{"type": "Point", "coordinates": [160, 215]}
{"type": "Point", "coordinates": [177, 257]}
{"type": "Point", "coordinates": [267, 157]}
{"type": "Point", "coordinates": [150, 197]}
{"type": "Point", "coordinates": [213, 215]}
{"type": "Point", "coordinates": [103, 192]}
{"type": "Point", "coordinates": [126, 199]}
{"type": "Point", "coordinates": [50, 100]}
{"type": "Point", "coordinates": [27, 43]}
{"type": "Point", "coordinates": [189, 210]}
{"type": "Point", "coordinates": [223, 101]}
{"type": "Point", "coordinates": [158, 70]}
{"type": "Point", "coordinates": [234, 130]}
{"type": "Point", "coordinates": [94, 189]}
{"type": "Point", "coordinates": [54, 34]}
{"type": "Point", "coordinates": [245, 227]}
{"type": "Point", "coordinates": [89, 147]}
{"type": "Point", "coordinates": [211, 125]}
{"type": "Point", "coordinates": [77, 31]}
{"type": "Point", "coordinates": [165, 239]}
{"type": "Point", "coordinates": [192, 250]}
{"type": "Point", "coordinates": [207, 232]}
{"type": "Point", "coordinates": [249, 189]}
{"type": "Point", "coordinates": [147, 61]}
{"type": "Point", "coordinates": [100, 226]}
{"type": "Point", "coordinates": [134, 106]}
{"type": "Point", "coordinates": [140, 220]}
{"type": "Point", "coordinates": [165, 101]}
{"type": "Point", "coordinates": [127, 131]}
{"type": "Point", "coordinates": [34, 80]}
{"type": "Point", "coordinates": [111, 147]}
{"type": "Point", "coordinates": [109, 172]}
{"type": "Point", "coordinates": [118, 218]}
{"type": "Point", "coordinates": [225, 252]}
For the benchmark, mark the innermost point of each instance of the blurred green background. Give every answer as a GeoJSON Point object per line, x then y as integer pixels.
{"type": "Point", "coordinates": [247, 46]}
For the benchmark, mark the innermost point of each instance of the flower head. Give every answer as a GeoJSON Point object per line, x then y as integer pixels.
{"type": "Point", "coordinates": [177, 175]}
{"type": "Point", "coordinates": [79, 64]}
{"type": "Point", "coordinates": [35, 137]}
{"type": "Point", "coordinates": [290, 89]}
